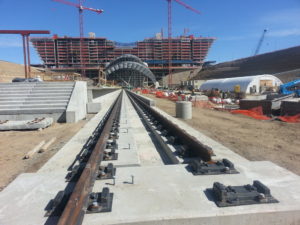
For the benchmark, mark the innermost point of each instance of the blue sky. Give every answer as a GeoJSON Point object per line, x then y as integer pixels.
{"type": "Point", "coordinates": [237, 24]}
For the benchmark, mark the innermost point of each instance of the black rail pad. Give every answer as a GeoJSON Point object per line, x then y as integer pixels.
{"type": "Point", "coordinates": [248, 194]}
{"type": "Point", "coordinates": [199, 167]}
{"type": "Point", "coordinates": [100, 202]}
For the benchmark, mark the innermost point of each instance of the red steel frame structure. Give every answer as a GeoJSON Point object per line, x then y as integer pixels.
{"type": "Point", "coordinates": [25, 35]}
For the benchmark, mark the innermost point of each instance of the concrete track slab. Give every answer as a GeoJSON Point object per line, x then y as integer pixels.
{"type": "Point", "coordinates": [23, 202]}
{"type": "Point", "coordinates": [171, 195]}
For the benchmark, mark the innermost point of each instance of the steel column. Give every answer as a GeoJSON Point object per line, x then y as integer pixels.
{"type": "Point", "coordinates": [24, 53]}
{"type": "Point", "coordinates": [28, 55]}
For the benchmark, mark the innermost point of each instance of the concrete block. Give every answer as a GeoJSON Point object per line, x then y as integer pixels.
{"type": "Point", "coordinates": [26, 124]}
{"type": "Point", "coordinates": [90, 95]}
{"type": "Point", "coordinates": [76, 109]}
{"type": "Point", "coordinates": [93, 107]}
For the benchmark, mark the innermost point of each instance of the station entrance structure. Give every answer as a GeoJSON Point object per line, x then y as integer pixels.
{"type": "Point", "coordinates": [129, 70]}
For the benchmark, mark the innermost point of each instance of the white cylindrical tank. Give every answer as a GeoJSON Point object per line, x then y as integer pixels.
{"type": "Point", "coordinates": [184, 110]}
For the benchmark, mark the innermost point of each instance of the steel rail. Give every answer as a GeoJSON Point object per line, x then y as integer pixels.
{"type": "Point", "coordinates": [166, 153]}
{"type": "Point", "coordinates": [196, 148]}
{"type": "Point", "coordinates": [76, 206]}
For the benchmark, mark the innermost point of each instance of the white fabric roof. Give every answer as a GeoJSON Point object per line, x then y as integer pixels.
{"type": "Point", "coordinates": [227, 84]}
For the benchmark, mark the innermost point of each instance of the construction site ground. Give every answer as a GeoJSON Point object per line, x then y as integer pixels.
{"type": "Point", "coordinates": [15, 144]}
{"type": "Point", "coordinates": [255, 140]}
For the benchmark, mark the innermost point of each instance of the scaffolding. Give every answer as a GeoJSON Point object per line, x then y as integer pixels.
{"type": "Point", "coordinates": [64, 52]}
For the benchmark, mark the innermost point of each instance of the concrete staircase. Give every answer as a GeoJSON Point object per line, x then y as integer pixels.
{"type": "Point", "coordinates": [20, 101]}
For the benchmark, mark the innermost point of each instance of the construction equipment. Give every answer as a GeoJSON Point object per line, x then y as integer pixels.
{"type": "Point", "coordinates": [292, 87]}
{"type": "Point", "coordinates": [80, 8]}
{"type": "Point", "coordinates": [170, 31]}
{"type": "Point", "coordinates": [260, 42]}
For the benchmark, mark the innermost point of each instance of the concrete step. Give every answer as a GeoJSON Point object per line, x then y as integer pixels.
{"type": "Point", "coordinates": [32, 106]}
{"type": "Point", "coordinates": [54, 85]}
{"type": "Point", "coordinates": [14, 90]}
{"type": "Point", "coordinates": [35, 88]}
{"type": "Point", "coordinates": [35, 102]}
{"type": "Point", "coordinates": [54, 88]}
{"type": "Point", "coordinates": [17, 86]}
{"type": "Point", "coordinates": [13, 98]}
{"type": "Point", "coordinates": [18, 83]}
{"type": "Point", "coordinates": [56, 101]}
{"type": "Point", "coordinates": [5, 88]}
{"type": "Point", "coordinates": [32, 98]}
{"type": "Point", "coordinates": [58, 91]}
{"type": "Point", "coordinates": [30, 111]}
{"type": "Point", "coordinates": [35, 95]}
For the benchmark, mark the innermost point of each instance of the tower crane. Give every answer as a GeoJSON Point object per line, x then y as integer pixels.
{"type": "Point", "coordinates": [80, 9]}
{"type": "Point", "coordinates": [170, 31]}
{"type": "Point", "coordinates": [260, 42]}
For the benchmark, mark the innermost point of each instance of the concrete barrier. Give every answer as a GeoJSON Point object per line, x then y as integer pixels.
{"type": "Point", "coordinates": [76, 109]}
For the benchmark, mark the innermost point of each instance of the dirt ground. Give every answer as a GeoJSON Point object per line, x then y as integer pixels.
{"type": "Point", "coordinates": [255, 140]}
{"type": "Point", "coordinates": [15, 144]}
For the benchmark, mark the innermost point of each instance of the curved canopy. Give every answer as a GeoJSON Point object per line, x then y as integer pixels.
{"type": "Point", "coordinates": [124, 58]}
{"type": "Point", "coordinates": [130, 72]}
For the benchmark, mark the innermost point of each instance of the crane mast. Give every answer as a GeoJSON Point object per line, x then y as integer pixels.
{"type": "Point", "coordinates": [170, 33]}
{"type": "Point", "coordinates": [81, 29]}
{"type": "Point", "coordinates": [260, 42]}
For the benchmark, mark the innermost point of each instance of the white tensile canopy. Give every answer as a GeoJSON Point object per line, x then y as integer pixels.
{"type": "Point", "coordinates": [245, 83]}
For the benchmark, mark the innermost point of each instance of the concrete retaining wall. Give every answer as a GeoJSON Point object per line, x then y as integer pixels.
{"type": "Point", "coordinates": [76, 109]}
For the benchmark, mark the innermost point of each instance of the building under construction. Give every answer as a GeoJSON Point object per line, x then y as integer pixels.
{"type": "Point", "coordinates": [63, 53]}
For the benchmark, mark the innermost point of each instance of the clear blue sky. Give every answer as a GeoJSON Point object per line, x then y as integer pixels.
{"type": "Point", "coordinates": [237, 24]}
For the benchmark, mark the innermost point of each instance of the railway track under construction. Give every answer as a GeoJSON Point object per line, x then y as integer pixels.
{"type": "Point", "coordinates": [174, 146]}
{"type": "Point", "coordinates": [134, 164]}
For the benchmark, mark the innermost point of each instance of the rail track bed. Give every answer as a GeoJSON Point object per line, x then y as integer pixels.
{"type": "Point", "coordinates": [134, 164]}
